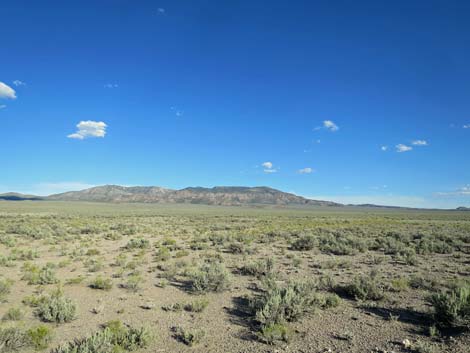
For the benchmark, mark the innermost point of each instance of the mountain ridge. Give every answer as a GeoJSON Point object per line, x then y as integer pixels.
{"type": "Point", "coordinates": [218, 195]}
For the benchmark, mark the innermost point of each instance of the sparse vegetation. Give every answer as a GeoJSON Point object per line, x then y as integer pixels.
{"type": "Point", "coordinates": [40, 336]}
{"type": "Point", "coordinates": [277, 273]}
{"type": "Point", "coordinates": [210, 277]}
{"type": "Point", "coordinates": [189, 337]}
{"type": "Point", "coordinates": [13, 314]}
{"type": "Point", "coordinates": [55, 307]}
{"type": "Point", "coordinates": [114, 337]}
{"type": "Point", "coordinates": [365, 288]}
{"type": "Point", "coordinates": [101, 283]}
{"type": "Point", "coordinates": [452, 308]}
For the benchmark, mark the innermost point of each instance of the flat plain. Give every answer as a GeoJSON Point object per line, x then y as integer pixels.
{"type": "Point", "coordinates": [93, 277]}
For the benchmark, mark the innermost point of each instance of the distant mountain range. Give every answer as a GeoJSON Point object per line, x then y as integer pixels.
{"type": "Point", "coordinates": [220, 195]}
{"type": "Point", "coordinates": [14, 196]}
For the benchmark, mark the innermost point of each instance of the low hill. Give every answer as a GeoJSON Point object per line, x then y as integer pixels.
{"type": "Point", "coordinates": [221, 195]}
{"type": "Point", "coordinates": [14, 196]}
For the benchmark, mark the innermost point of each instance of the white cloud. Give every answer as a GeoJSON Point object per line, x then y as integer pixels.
{"type": "Point", "coordinates": [403, 148]}
{"type": "Point", "coordinates": [111, 85]}
{"type": "Point", "coordinates": [6, 91]}
{"type": "Point", "coordinates": [269, 168]}
{"type": "Point", "coordinates": [161, 10]}
{"type": "Point", "coordinates": [305, 170]}
{"type": "Point", "coordinates": [384, 148]}
{"type": "Point", "coordinates": [462, 191]}
{"type": "Point", "coordinates": [419, 143]}
{"type": "Point", "coordinates": [467, 126]}
{"type": "Point", "coordinates": [328, 124]}
{"type": "Point", "coordinates": [89, 129]}
{"type": "Point", "coordinates": [19, 83]}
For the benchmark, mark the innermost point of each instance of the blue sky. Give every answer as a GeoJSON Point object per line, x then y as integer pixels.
{"type": "Point", "coordinates": [352, 101]}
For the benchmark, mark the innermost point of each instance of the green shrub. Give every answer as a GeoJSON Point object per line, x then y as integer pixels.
{"type": "Point", "coordinates": [408, 256]}
{"type": "Point", "coordinates": [75, 280]}
{"type": "Point", "coordinates": [101, 283]}
{"type": "Point", "coordinates": [13, 339]}
{"type": "Point", "coordinates": [258, 268]}
{"type": "Point", "coordinates": [39, 275]}
{"type": "Point", "coordinates": [170, 243]}
{"type": "Point", "coordinates": [114, 337]}
{"type": "Point", "coordinates": [272, 333]}
{"type": "Point", "coordinates": [189, 337]}
{"type": "Point", "coordinates": [330, 301]}
{"type": "Point", "coordinates": [138, 243]}
{"type": "Point", "coordinates": [210, 277]}
{"type": "Point", "coordinates": [181, 253]}
{"type": "Point", "coordinates": [33, 300]}
{"type": "Point", "coordinates": [40, 336]}
{"type": "Point", "coordinates": [13, 314]}
{"type": "Point", "coordinates": [133, 282]}
{"type": "Point", "coordinates": [56, 308]}
{"type": "Point", "coordinates": [452, 308]}
{"type": "Point", "coordinates": [365, 288]}
{"type": "Point", "coordinates": [121, 260]}
{"type": "Point", "coordinates": [5, 287]}
{"type": "Point", "coordinates": [92, 252]}
{"type": "Point", "coordinates": [197, 305]}
{"type": "Point", "coordinates": [339, 243]}
{"type": "Point", "coordinates": [94, 265]}
{"type": "Point", "coordinates": [239, 248]}
{"type": "Point", "coordinates": [279, 304]}
{"type": "Point", "coordinates": [163, 254]}
{"type": "Point", "coordinates": [176, 307]}
{"type": "Point", "coordinates": [305, 242]}
{"type": "Point", "coordinates": [399, 284]}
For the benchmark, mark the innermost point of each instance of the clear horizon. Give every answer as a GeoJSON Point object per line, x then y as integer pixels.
{"type": "Point", "coordinates": [366, 102]}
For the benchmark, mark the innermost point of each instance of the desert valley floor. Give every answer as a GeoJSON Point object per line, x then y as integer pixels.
{"type": "Point", "coordinates": [95, 277]}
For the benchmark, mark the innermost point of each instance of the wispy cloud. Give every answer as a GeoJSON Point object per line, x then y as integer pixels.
{"type": "Point", "coordinates": [268, 168]}
{"type": "Point", "coordinates": [19, 83]}
{"type": "Point", "coordinates": [111, 85]}
{"type": "Point", "coordinates": [307, 170]}
{"type": "Point", "coordinates": [419, 143]}
{"type": "Point", "coordinates": [330, 125]}
{"type": "Point", "coordinates": [179, 113]}
{"type": "Point", "coordinates": [384, 148]}
{"type": "Point", "coordinates": [462, 191]}
{"type": "Point", "coordinates": [161, 10]}
{"type": "Point", "coordinates": [2, 106]}
{"type": "Point", "coordinates": [6, 91]}
{"type": "Point", "coordinates": [466, 126]}
{"type": "Point", "coordinates": [403, 148]}
{"type": "Point", "coordinates": [89, 128]}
